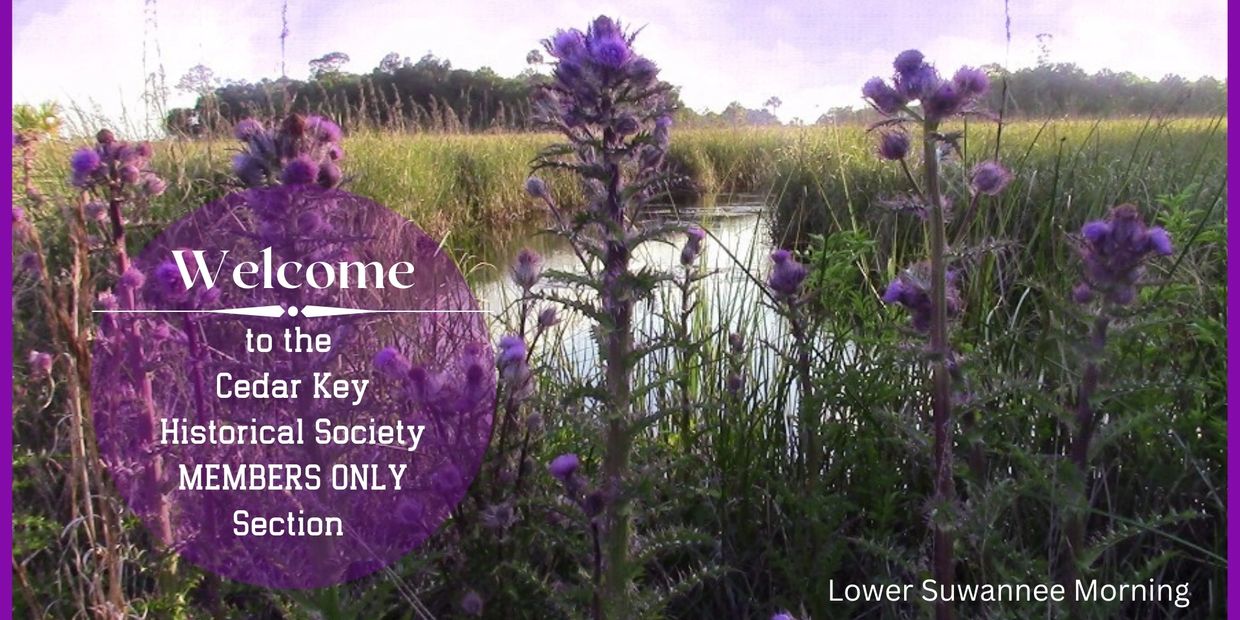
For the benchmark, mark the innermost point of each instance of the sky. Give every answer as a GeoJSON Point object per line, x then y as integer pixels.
{"type": "Point", "coordinates": [812, 54]}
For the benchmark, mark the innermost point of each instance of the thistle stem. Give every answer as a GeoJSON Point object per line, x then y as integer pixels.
{"type": "Point", "coordinates": [944, 484]}
{"type": "Point", "coordinates": [1074, 531]}
{"type": "Point", "coordinates": [619, 438]}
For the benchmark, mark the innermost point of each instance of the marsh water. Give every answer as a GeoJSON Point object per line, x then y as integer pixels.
{"type": "Point", "coordinates": [735, 257]}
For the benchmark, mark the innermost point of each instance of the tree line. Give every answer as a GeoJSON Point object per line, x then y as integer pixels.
{"type": "Point", "coordinates": [1066, 90]}
{"type": "Point", "coordinates": [431, 95]}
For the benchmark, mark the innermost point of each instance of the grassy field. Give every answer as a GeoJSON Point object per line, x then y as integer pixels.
{"type": "Point", "coordinates": [721, 495]}
{"type": "Point", "coordinates": [820, 177]}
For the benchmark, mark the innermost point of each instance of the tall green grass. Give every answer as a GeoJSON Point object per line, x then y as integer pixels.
{"type": "Point", "coordinates": [820, 177]}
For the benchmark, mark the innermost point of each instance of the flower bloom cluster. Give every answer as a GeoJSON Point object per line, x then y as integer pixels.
{"type": "Point", "coordinates": [563, 467]}
{"type": "Point", "coordinates": [527, 270]}
{"type": "Point", "coordinates": [917, 80]}
{"type": "Point", "coordinates": [471, 603]}
{"type": "Point", "coordinates": [458, 387]}
{"type": "Point", "coordinates": [566, 468]}
{"type": "Point", "coordinates": [591, 63]}
{"type": "Point", "coordinates": [1114, 252]}
{"type": "Point", "coordinates": [115, 165]}
{"type": "Point", "coordinates": [602, 96]}
{"type": "Point", "coordinates": [512, 359]}
{"type": "Point", "coordinates": [893, 145]}
{"type": "Point", "coordinates": [693, 245]}
{"type": "Point", "coordinates": [787, 274]}
{"type": "Point", "coordinates": [166, 287]}
{"type": "Point", "coordinates": [989, 178]}
{"type": "Point", "coordinates": [301, 151]}
{"type": "Point", "coordinates": [40, 364]}
{"type": "Point", "coordinates": [911, 289]}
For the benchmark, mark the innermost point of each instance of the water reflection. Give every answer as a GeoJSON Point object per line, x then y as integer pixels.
{"type": "Point", "coordinates": [735, 254]}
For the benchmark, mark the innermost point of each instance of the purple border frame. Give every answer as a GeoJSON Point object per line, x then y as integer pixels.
{"type": "Point", "coordinates": [6, 433]}
{"type": "Point", "coordinates": [1233, 352]}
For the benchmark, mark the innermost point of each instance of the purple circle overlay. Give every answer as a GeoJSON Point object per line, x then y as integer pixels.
{"type": "Point", "coordinates": [163, 382]}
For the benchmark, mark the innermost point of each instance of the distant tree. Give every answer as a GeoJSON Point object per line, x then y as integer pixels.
{"type": "Point", "coordinates": [328, 64]}
{"type": "Point", "coordinates": [36, 122]}
{"type": "Point", "coordinates": [393, 62]}
{"type": "Point", "coordinates": [534, 57]}
{"type": "Point", "coordinates": [198, 80]}
{"type": "Point", "coordinates": [773, 103]}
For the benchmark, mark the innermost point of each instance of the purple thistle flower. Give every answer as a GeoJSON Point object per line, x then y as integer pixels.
{"type": "Point", "coordinates": [989, 178]}
{"type": "Point", "coordinates": [911, 289]}
{"type": "Point", "coordinates": [945, 101]}
{"type": "Point", "coordinates": [249, 169]}
{"type": "Point", "coordinates": [783, 615]}
{"type": "Point", "coordinates": [1096, 230]}
{"type": "Point", "coordinates": [1160, 241]}
{"type": "Point", "coordinates": [85, 161]}
{"type": "Point", "coordinates": [893, 145]}
{"type": "Point", "coordinates": [608, 49]}
{"type": "Point", "coordinates": [1082, 294]}
{"type": "Point", "coordinates": [693, 245]}
{"type": "Point", "coordinates": [130, 174]}
{"type": "Point", "coordinates": [29, 262]}
{"type": "Point", "coordinates": [107, 301]}
{"type": "Point", "coordinates": [301, 170]}
{"type": "Point", "coordinates": [248, 129]}
{"type": "Point", "coordinates": [894, 292]}
{"type": "Point", "coordinates": [132, 279]}
{"type": "Point", "coordinates": [19, 215]}
{"type": "Point", "coordinates": [918, 83]}
{"type": "Point", "coordinates": [391, 363]}
{"type": "Point", "coordinates": [564, 466]}
{"type": "Point", "coordinates": [971, 81]}
{"type": "Point", "coordinates": [643, 72]}
{"type": "Point", "coordinates": [471, 603]}
{"type": "Point", "coordinates": [885, 98]}
{"type": "Point", "coordinates": [1114, 252]}
{"type": "Point", "coordinates": [323, 130]}
{"type": "Point", "coordinates": [567, 44]}
{"type": "Point", "coordinates": [512, 352]}
{"type": "Point", "coordinates": [536, 188]}
{"type": "Point", "coordinates": [498, 517]}
{"type": "Point", "coordinates": [908, 61]}
{"type": "Point", "coordinates": [166, 282]}
{"type": "Point", "coordinates": [527, 269]}
{"type": "Point", "coordinates": [153, 185]}
{"type": "Point", "coordinates": [40, 364]}
{"type": "Point", "coordinates": [787, 274]}
{"type": "Point", "coordinates": [548, 317]}
{"type": "Point", "coordinates": [95, 210]}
